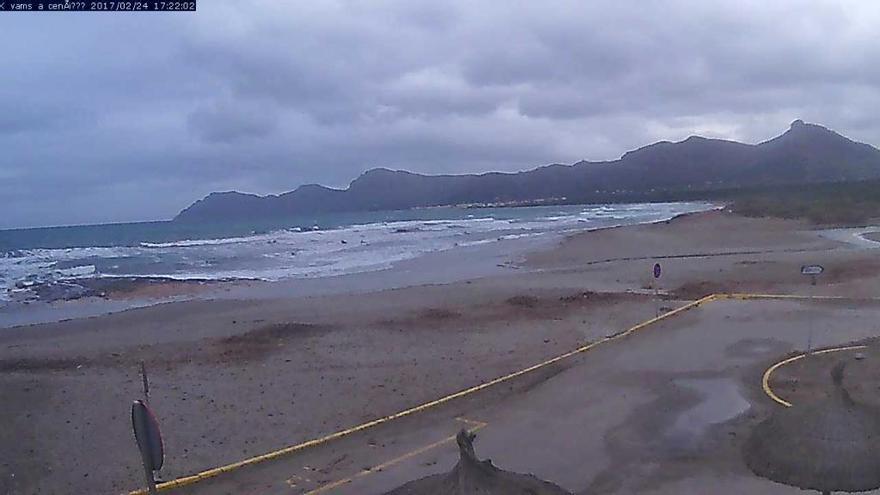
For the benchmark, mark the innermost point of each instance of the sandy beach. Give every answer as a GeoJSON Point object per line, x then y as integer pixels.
{"type": "Point", "coordinates": [236, 377]}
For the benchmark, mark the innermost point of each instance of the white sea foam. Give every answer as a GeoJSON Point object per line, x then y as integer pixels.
{"type": "Point", "coordinates": [301, 252]}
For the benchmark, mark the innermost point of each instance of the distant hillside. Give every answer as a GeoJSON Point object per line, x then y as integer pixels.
{"type": "Point", "coordinates": [805, 153]}
{"type": "Point", "coordinates": [829, 204]}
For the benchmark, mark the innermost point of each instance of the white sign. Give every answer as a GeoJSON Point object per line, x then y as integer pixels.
{"type": "Point", "coordinates": [812, 269]}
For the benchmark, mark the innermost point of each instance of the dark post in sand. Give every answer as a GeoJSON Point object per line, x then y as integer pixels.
{"type": "Point", "coordinates": [149, 441]}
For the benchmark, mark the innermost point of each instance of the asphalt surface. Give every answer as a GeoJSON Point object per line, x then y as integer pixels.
{"type": "Point", "coordinates": [661, 411]}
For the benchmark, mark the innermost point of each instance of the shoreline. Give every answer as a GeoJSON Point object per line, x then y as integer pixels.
{"type": "Point", "coordinates": [104, 296]}
{"type": "Point", "coordinates": [232, 378]}
{"type": "Point", "coordinates": [449, 266]}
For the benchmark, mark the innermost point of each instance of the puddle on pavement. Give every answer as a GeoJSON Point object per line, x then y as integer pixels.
{"type": "Point", "coordinates": [757, 348]}
{"type": "Point", "coordinates": [720, 401]}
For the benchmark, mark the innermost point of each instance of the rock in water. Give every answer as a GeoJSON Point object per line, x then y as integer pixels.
{"type": "Point", "coordinates": [474, 477]}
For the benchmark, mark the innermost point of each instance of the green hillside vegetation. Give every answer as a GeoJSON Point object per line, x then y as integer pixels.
{"type": "Point", "coordinates": [845, 204]}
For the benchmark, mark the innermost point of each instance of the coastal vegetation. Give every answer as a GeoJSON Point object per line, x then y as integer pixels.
{"type": "Point", "coordinates": [845, 204]}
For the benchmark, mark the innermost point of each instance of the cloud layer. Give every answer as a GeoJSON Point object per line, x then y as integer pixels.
{"type": "Point", "coordinates": [131, 117]}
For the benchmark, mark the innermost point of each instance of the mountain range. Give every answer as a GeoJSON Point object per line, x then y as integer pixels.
{"type": "Point", "coordinates": [805, 153]}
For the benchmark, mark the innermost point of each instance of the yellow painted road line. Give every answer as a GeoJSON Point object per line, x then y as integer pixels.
{"type": "Point", "coordinates": [765, 380]}
{"type": "Point", "coordinates": [475, 426]}
{"type": "Point", "coordinates": [210, 473]}
{"type": "Point", "coordinates": [746, 297]}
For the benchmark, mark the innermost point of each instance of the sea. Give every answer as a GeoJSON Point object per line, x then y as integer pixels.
{"type": "Point", "coordinates": [271, 250]}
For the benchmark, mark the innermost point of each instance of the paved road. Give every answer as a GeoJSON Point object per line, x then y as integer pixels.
{"type": "Point", "coordinates": [661, 411]}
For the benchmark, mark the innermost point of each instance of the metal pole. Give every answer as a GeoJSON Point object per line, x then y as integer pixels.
{"type": "Point", "coordinates": [146, 382]}
{"type": "Point", "coordinates": [656, 300]}
{"type": "Point", "coordinates": [151, 482]}
{"type": "Point", "coordinates": [810, 335]}
{"type": "Point", "coordinates": [810, 338]}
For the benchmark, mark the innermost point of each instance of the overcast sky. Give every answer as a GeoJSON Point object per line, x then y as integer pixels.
{"type": "Point", "coordinates": [108, 117]}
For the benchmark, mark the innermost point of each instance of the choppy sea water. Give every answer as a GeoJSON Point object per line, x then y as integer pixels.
{"type": "Point", "coordinates": [315, 246]}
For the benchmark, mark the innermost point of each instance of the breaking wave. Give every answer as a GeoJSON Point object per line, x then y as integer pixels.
{"type": "Point", "coordinates": [312, 251]}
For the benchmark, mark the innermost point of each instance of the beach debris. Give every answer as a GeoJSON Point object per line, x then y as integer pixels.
{"type": "Point", "coordinates": [832, 445]}
{"type": "Point", "coordinates": [523, 301]}
{"type": "Point", "coordinates": [472, 476]}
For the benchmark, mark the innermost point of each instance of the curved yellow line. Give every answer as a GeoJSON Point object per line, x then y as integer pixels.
{"type": "Point", "coordinates": [765, 380]}
{"type": "Point", "coordinates": [210, 473]}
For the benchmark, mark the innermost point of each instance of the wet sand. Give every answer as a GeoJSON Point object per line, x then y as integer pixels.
{"type": "Point", "coordinates": [444, 267]}
{"type": "Point", "coordinates": [238, 377]}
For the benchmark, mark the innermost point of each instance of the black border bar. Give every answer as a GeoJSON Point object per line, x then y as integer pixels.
{"type": "Point", "coordinates": [97, 6]}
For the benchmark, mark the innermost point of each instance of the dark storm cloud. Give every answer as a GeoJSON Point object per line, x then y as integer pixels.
{"type": "Point", "coordinates": [15, 118]}
{"type": "Point", "coordinates": [129, 117]}
{"type": "Point", "coordinates": [226, 122]}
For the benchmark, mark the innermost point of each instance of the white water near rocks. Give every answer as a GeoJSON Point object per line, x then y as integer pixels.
{"type": "Point", "coordinates": [372, 242]}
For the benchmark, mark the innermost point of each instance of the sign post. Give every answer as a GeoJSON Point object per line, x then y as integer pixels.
{"type": "Point", "coordinates": [813, 271]}
{"type": "Point", "coordinates": [146, 382]}
{"type": "Point", "coordinates": [657, 272]}
{"type": "Point", "coordinates": [149, 440]}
